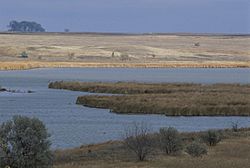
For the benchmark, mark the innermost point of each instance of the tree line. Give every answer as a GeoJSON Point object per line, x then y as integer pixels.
{"type": "Point", "coordinates": [25, 26]}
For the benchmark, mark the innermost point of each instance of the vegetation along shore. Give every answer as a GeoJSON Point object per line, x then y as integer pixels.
{"type": "Point", "coordinates": [171, 99]}
{"type": "Point", "coordinates": [231, 148]}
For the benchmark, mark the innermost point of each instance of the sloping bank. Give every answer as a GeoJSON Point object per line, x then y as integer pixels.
{"type": "Point", "coordinates": [164, 98]}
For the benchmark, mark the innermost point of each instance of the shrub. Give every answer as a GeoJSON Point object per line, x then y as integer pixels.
{"type": "Point", "coordinates": [170, 140]}
{"type": "Point", "coordinates": [71, 55]}
{"type": "Point", "coordinates": [138, 140]}
{"type": "Point", "coordinates": [211, 137]}
{"type": "Point", "coordinates": [235, 126]}
{"type": "Point", "coordinates": [196, 149]}
{"type": "Point", "coordinates": [24, 54]}
{"type": "Point", "coordinates": [124, 57]}
{"type": "Point", "coordinates": [24, 144]}
{"type": "Point", "coordinates": [197, 44]}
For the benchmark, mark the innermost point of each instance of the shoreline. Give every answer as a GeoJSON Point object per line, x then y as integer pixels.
{"type": "Point", "coordinates": [25, 65]}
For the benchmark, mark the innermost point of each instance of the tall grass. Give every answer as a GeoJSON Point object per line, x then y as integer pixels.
{"type": "Point", "coordinates": [31, 64]}
{"type": "Point", "coordinates": [171, 99]}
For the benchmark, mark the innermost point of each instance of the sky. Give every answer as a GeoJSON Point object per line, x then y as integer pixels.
{"type": "Point", "coordinates": [131, 16]}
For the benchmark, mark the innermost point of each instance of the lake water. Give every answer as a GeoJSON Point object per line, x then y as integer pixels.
{"type": "Point", "coordinates": [72, 125]}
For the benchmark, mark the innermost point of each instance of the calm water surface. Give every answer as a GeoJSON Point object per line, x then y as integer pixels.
{"type": "Point", "coordinates": [72, 125]}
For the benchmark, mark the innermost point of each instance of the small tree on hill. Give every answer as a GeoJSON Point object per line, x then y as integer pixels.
{"type": "Point", "coordinates": [24, 144]}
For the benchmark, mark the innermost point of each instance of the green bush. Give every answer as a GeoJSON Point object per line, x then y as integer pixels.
{"type": "Point", "coordinates": [24, 54]}
{"type": "Point", "coordinates": [170, 140]}
{"type": "Point", "coordinates": [196, 149]}
{"type": "Point", "coordinates": [211, 137]}
{"type": "Point", "coordinates": [24, 144]}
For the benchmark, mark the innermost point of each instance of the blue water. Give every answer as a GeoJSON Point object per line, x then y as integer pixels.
{"type": "Point", "coordinates": [72, 125]}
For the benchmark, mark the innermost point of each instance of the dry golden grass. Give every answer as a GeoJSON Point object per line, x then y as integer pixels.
{"type": "Point", "coordinates": [230, 153]}
{"type": "Point", "coordinates": [99, 50]}
{"type": "Point", "coordinates": [21, 65]}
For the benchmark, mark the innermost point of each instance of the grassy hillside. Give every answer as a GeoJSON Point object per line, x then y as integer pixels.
{"type": "Point", "coordinates": [232, 152]}
{"type": "Point", "coordinates": [121, 50]}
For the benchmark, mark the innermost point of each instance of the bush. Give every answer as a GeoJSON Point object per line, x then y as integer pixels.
{"type": "Point", "coordinates": [138, 140]}
{"type": "Point", "coordinates": [24, 55]}
{"type": "Point", "coordinates": [211, 137]}
{"type": "Point", "coordinates": [196, 149]}
{"type": "Point", "coordinates": [235, 126]}
{"type": "Point", "coordinates": [170, 140]}
{"type": "Point", "coordinates": [24, 144]}
{"type": "Point", "coordinates": [125, 57]}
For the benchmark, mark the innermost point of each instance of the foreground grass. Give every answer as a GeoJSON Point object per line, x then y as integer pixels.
{"type": "Point", "coordinates": [168, 99]}
{"type": "Point", "coordinates": [232, 152]}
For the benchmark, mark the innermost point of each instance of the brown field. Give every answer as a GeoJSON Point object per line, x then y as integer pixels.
{"type": "Point", "coordinates": [164, 98]}
{"type": "Point", "coordinates": [232, 152]}
{"type": "Point", "coordinates": [122, 50]}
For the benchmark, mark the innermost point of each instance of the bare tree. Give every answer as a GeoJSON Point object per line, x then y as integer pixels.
{"type": "Point", "coordinates": [235, 126]}
{"type": "Point", "coordinates": [138, 140]}
{"type": "Point", "coordinates": [170, 140]}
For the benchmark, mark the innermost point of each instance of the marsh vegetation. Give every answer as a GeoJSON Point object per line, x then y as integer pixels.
{"type": "Point", "coordinates": [171, 99]}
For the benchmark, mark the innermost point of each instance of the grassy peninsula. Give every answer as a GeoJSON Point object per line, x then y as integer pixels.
{"type": "Point", "coordinates": [171, 99]}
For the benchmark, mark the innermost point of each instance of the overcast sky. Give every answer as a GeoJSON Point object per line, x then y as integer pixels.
{"type": "Point", "coordinates": [138, 16]}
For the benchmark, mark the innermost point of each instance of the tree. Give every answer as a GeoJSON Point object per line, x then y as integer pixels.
{"type": "Point", "coordinates": [24, 54]}
{"type": "Point", "coordinates": [66, 30]}
{"type": "Point", "coordinates": [24, 143]}
{"type": "Point", "coordinates": [170, 140]}
{"type": "Point", "coordinates": [25, 26]}
{"type": "Point", "coordinates": [138, 140]}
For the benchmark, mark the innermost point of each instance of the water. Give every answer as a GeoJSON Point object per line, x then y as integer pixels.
{"type": "Point", "coordinates": [72, 125]}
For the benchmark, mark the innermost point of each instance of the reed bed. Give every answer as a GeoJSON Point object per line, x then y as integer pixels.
{"type": "Point", "coordinates": [171, 99]}
{"type": "Point", "coordinates": [23, 65]}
